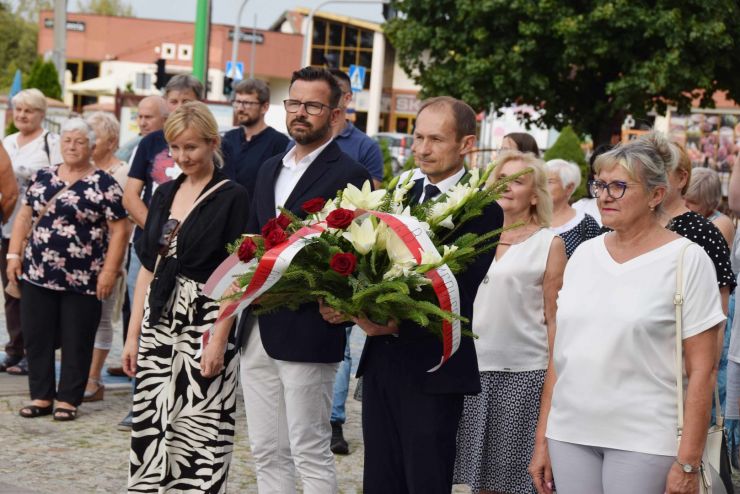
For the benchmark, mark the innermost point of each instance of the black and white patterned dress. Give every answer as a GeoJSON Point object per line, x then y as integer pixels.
{"type": "Point", "coordinates": [183, 429]}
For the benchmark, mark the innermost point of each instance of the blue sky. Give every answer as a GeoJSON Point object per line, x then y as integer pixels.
{"type": "Point", "coordinates": [224, 11]}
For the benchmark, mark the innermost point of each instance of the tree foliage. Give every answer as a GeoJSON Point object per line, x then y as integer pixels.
{"type": "Point", "coordinates": [44, 77]}
{"type": "Point", "coordinates": [584, 62]}
{"type": "Point", "coordinates": [29, 10]}
{"type": "Point", "coordinates": [17, 45]}
{"type": "Point", "coordinates": [106, 7]}
{"type": "Point", "coordinates": [568, 147]}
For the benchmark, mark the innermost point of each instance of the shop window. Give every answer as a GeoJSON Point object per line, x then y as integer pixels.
{"type": "Point", "coordinates": [335, 34]}
{"type": "Point", "coordinates": [349, 58]}
{"type": "Point", "coordinates": [351, 36]}
{"type": "Point", "coordinates": [366, 39]}
{"type": "Point", "coordinates": [319, 32]}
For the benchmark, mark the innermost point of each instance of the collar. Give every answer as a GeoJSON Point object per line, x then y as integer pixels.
{"type": "Point", "coordinates": [447, 183]}
{"type": "Point", "coordinates": [289, 158]}
{"type": "Point", "coordinates": [348, 129]}
{"type": "Point", "coordinates": [243, 136]}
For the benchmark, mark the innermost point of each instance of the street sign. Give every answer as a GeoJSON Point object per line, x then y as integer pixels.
{"type": "Point", "coordinates": [236, 73]}
{"type": "Point", "coordinates": [357, 77]}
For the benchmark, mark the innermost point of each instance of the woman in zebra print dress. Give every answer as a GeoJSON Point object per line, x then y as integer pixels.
{"type": "Point", "coordinates": [184, 400]}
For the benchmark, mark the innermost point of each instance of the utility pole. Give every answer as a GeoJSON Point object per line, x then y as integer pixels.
{"type": "Point", "coordinates": [236, 39]}
{"type": "Point", "coordinates": [59, 54]}
{"type": "Point", "coordinates": [202, 35]}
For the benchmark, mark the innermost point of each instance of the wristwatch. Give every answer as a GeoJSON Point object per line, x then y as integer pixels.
{"type": "Point", "coordinates": [688, 467]}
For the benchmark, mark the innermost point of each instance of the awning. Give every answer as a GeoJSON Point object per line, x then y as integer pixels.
{"type": "Point", "coordinates": [98, 86]}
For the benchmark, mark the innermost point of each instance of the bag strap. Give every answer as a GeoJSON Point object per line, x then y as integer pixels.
{"type": "Point", "coordinates": [47, 206]}
{"type": "Point", "coordinates": [46, 146]}
{"type": "Point", "coordinates": [678, 302]}
{"type": "Point", "coordinates": [200, 199]}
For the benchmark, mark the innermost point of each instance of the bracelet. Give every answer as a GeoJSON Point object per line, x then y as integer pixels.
{"type": "Point", "coordinates": [8, 257]}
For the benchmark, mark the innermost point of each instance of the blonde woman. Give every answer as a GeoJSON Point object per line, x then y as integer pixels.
{"type": "Point", "coordinates": [184, 401]}
{"type": "Point", "coordinates": [704, 196]}
{"type": "Point", "coordinates": [514, 317]}
{"type": "Point", "coordinates": [106, 129]}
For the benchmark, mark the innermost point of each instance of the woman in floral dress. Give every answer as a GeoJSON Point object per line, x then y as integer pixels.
{"type": "Point", "coordinates": [75, 223]}
{"type": "Point", "coordinates": [185, 396]}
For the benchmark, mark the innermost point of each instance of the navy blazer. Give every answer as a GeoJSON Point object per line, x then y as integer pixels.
{"type": "Point", "coordinates": [422, 349]}
{"type": "Point", "coordinates": [302, 335]}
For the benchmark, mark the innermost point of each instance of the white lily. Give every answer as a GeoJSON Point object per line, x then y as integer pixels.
{"type": "Point", "coordinates": [398, 253]}
{"type": "Point", "coordinates": [365, 198]}
{"type": "Point", "coordinates": [474, 181]}
{"type": "Point", "coordinates": [448, 250]}
{"type": "Point", "coordinates": [447, 223]}
{"type": "Point", "coordinates": [430, 257]}
{"type": "Point", "coordinates": [362, 235]}
{"type": "Point", "coordinates": [398, 271]}
{"type": "Point", "coordinates": [328, 208]}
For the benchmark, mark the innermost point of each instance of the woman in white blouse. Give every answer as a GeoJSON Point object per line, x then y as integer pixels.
{"type": "Point", "coordinates": [514, 317]}
{"type": "Point", "coordinates": [609, 423]}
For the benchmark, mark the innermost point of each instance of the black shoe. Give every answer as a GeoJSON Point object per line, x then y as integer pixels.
{"type": "Point", "coordinates": [10, 361]}
{"type": "Point", "coordinates": [338, 445]}
{"type": "Point", "coordinates": [127, 422]}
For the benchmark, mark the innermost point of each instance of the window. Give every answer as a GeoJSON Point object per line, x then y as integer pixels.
{"type": "Point", "coordinates": [339, 45]}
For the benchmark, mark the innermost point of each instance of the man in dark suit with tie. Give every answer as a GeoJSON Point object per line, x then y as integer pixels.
{"type": "Point", "coordinates": [410, 416]}
{"type": "Point", "coordinates": [290, 358]}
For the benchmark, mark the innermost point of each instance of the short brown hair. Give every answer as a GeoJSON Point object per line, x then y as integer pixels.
{"type": "Point", "coordinates": [462, 114]}
{"type": "Point", "coordinates": [524, 142]}
{"type": "Point", "coordinates": [254, 86]}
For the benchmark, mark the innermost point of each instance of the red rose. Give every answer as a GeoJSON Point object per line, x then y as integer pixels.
{"type": "Point", "coordinates": [274, 238]}
{"type": "Point", "coordinates": [343, 263]}
{"type": "Point", "coordinates": [340, 218]}
{"type": "Point", "coordinates": [283, 221]}
{"type": "Point", "coordinates": [271, 225]}
{"type": "Point", "coordinates": [247, 250]}
{"type": "Point", "coordinates": [313, 205]}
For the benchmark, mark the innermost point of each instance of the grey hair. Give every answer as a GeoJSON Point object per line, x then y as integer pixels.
{"type": "Point", "coordinates": [105, 122]}
{"type": "Point", "coordinates": [76, 124]}
{"type": "Point", "coordinates": [185, 82]}
{"type": "Point", "coordinates": [705, 188]}
{"type": "Point", "coordinates": [648, 159]}
{"type": "Point", "coordinates": [164, 110]}
{"type": "Point", "coordinates": [568, 172]}
{"type": "Point", "coordinates": [31, 97]}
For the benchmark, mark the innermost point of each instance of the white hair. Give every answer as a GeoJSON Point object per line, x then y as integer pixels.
{"type": "Point", "coordinates": [32, 97]}
{"type": "Point", "coordinates": [568, 171]}
{"type": "Point", "coordinates": [76, 124]}
{"type": "Point", "coordinates": [106, 123]}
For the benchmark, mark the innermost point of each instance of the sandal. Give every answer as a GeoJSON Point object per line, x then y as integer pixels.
{"type": "Point", "coordinates": [9, 361]}
{"type": "Point", "coordinates": [19, 369]}
{"type": "Point", "coordinates": [33, 411]}
{"type": "Point", "coordinates": [64, 414]}
{"type": "Point", "coordinates": [96, 395]}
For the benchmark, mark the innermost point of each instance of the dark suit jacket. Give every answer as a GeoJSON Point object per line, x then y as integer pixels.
{"type": "Point", "coordinates": [302, 335]}
{"type": "Point", "coordinates": [422, 350]}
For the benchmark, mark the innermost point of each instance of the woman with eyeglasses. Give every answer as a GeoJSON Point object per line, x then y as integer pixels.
{"type": "Point", "coordinates": [608, 421]}
{"type": "Point", "coordinates": [184, 402]}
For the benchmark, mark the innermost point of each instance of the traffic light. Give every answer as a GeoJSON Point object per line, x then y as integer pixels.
{"type": "Point", "coordinates": [228, 86]}
{"type": "Point", "coordinates": [162, 76]}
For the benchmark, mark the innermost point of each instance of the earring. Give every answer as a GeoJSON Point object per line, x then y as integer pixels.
{"type": "Point", "coordinates": [652, 208]}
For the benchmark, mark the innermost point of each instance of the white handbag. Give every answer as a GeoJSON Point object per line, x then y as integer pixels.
{"type": "Point", "coordinates": [709, 481]}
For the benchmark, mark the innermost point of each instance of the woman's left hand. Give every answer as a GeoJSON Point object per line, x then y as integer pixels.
{"type": "Point", "coordinates": [212, 360]}
{"type": "Point", "coordinates": [680, 482]}
{"type": "Point", "coordinates": [106, 280]}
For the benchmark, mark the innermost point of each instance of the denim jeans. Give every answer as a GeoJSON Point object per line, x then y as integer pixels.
{"type": "Point", "coordinates": [341, 384]}
{"type": "Point", "coordinates": [133, 272]}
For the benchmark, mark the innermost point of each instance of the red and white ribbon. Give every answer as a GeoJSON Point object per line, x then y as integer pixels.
{"type": "Point", "coordinates": [444, 283]}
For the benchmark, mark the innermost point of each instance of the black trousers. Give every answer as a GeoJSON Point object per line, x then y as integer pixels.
{"type": "Point", "coordinates": [14, 347]}
{"type": "Point", "coordinates": [70, 319]}
{"type": "Point", "coordinates": [409, 435]}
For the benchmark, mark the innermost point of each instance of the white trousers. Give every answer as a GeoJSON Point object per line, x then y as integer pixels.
{"type": "Point", "coordinates": [288, 407]}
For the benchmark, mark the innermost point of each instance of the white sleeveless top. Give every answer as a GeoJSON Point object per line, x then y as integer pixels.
{"type": "Point", "coordinates": [509, 309]}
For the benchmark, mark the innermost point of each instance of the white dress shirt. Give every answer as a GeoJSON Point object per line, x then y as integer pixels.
{"type": "Point", "coordinates": [443, 185]}
{"type": "Point", "coordinates": [292, 172]}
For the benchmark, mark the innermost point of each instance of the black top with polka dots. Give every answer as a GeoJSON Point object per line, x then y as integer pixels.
{"type": "Point", "coordinates": [703, 232]}
{"type": "Point", "coordinates": [587, 229]}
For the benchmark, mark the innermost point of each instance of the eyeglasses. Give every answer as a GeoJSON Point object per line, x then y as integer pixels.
{"type": "Point", "coordinates": [615, 189]}
{"type": "Point", "coordinates": [169, 230]}
{"type": "Point", "coordinates": [312, 107]}
{"type": "Point", "coordinates": [237, 103]}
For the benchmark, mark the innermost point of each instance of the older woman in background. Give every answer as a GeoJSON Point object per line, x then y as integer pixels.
{"type": "Point", "coordinates": [514, 317]}
{"type": "Point", "coordinates": [704, 196]}
{"type": "Point", "coordinates": [30, 149]}
{"type": "Point", "coordinates": [609, 423]}
{"type": "Point", "coordinates": [106, 130]}
{"type": "Point", "coordinates": [73, 219]}
{"type": "Point", "coordinates": [573, 226]}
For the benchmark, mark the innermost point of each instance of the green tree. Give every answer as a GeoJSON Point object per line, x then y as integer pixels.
{"type": "Point", "coordinates": [568, 147]}
{"type": "Point", "coordinates": [106, 7]}
{"type": "Point", "coordinates": [17, 45]}
{"type": "Point", "coordinates": [44, 77]}
{"type": "Point", "coordinates": [29, 10]}
{"type": "Point", "coordinates": [584, 62]}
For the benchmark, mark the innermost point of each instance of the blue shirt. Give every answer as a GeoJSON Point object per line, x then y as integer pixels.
{"type": "Point", "coordinates": [358, 146]}
{"type": "Point", "coordinates": [243, 158]}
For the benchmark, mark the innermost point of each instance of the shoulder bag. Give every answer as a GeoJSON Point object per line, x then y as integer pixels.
{"type": "Point", "coordinates": [709, 478]}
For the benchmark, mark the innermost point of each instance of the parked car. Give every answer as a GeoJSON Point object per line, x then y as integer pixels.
{"type": "Point", "coordinates": [399, 145]}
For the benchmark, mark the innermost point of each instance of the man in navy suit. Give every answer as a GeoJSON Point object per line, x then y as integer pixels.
{"type": "Point", "coordinates": [291, 357]}
{"type": "Point", "coordinates": [410, 416]}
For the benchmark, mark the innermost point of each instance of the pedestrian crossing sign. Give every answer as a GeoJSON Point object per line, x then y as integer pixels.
{"type": "Point", "coordinates": [235, 72]}
{"type": "Point", "coordinates": [357, 77]}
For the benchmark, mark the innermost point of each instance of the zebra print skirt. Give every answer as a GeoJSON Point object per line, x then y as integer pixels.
{"type": "Point", "coordinates": [183, 429]}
